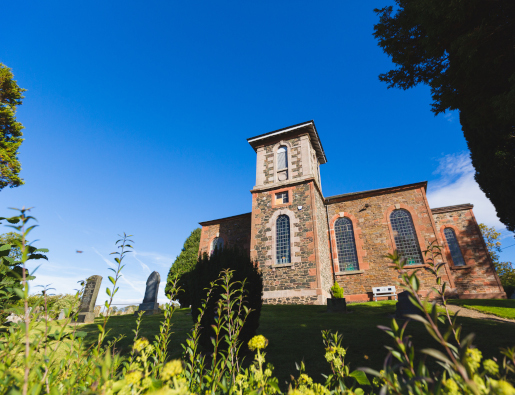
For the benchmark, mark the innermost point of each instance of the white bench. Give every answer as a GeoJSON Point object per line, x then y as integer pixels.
{"type": "Point", "coordinates": [384, 291]}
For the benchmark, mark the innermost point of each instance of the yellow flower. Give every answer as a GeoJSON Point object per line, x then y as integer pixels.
{"type": "Point", "coordinates": [133, 377]}
{"type": "Point", "coordinates": [258, 343]}
{"type": "Point", "coordinates": [171, 369]}
{"type": "Point", "coordinates": [491, 367]}
{"type": "Point", "coordinates": [473, 357]}
{"type": "Point", "coordinates": [501, 387]}
{"type": "Point", "coordinates": [451, 386]}
{"type": "Point", "coordinates": [305, 379]}
{"type": "Point", "coordinates": [140, 344]}
{"type": "Point", "coordinates": [268, 372]}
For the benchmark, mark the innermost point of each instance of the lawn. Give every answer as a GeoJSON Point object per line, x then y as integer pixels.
{"type": "Point", "coordinates": [294, 334]}
{"type": "Point", "coordinates": [500, 307]}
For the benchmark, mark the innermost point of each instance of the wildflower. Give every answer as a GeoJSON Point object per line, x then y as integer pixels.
{"type": "Point", "coordinates": [491, 367]}
{"type": "Point", "coordinates": [268, 372]}
{"type": "Point", "coordinates": [305, 379]}
{"type": "Point", "coordinates": [501, 387]}
{"type": "Point", "coordinates": [473, 357]}
{"type": "Point", "coordinates": [329, 356]}
{"type": "Point", "coordinates": [140, 344]}
{"type": "Point", "coordinates": [451, 386]}
{"type": "Point", "coordinates": [171, 369]}
{"type": "Point", "coordinates": [133, 377]}
{"type": "Point", "coordinates": [258, 343]}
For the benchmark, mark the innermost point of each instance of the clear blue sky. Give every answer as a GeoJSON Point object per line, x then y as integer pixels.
{"type": "Point", "coordinates": [137, 114]}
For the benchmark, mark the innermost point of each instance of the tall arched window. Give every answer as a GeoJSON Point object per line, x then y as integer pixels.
{"type": "Point", "coordinates": [347, 255]}
{"type": "Point", "coordinates": [283, 250]}
{"type": "Point", "coordinates": [282, 158]}
{"type": "Point", "coordinates": [218, 244]}
{"type": "Point", "coordinates": [454, 247]}
{"type": "Point", "coordinates": [405, 237]}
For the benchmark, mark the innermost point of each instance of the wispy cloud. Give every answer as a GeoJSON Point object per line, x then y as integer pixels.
{"type": "Point", "coordinates": [143, 265]}
{"type": "Point", "coordinates": [456, 185]}
{"type": "Point", "coordinates": [157, 258]}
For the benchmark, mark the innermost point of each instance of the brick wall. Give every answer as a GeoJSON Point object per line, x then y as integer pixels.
{"type": "Point", "coordinates": [235, 231]}
{"type": "Point", "coordinates": [478, 278]}
{"type": "Point", "coordinates": [374, 237]}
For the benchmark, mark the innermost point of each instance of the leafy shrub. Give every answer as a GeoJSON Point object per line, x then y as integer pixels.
{"type": "Point", "coordinates": [205, 275]}
{"type": "Point", "coordinates": [182, 267]}
{"type": "Point", "coordinates": [337, 291]}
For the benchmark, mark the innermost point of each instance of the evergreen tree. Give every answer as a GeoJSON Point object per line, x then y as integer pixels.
{"type": "Point", "coordinates": [183, 265]}
{"type": "Point", "coordinates": [10, 129]}
{"type": "Point", "coordinates": [465, 51]}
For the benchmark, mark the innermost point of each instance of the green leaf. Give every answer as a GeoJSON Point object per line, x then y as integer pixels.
{"type": "Point", "coordinates": [436, 354]}
{"type": "Point", "coordinates": [108, 291]}
{"type": "Point", "coordinates": [111, 279]}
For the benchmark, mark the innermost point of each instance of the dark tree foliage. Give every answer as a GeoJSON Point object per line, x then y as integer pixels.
{"type": "Point", "coordinates": [465, 51]}
{"type": "Point", "coordinates": [183, 265]}
{"type": "Point", "coordinates": [208, 270]}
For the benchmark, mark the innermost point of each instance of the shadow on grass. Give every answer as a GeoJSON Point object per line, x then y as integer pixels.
{"type": "Point", "coordinates": [510, 303]}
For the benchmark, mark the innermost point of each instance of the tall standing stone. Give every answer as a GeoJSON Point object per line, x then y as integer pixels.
{"type": "Point", "coordinates": [89, 298]}
{"type": "Point", "coordinates": [97, 311]}
{"type": "Point", "coordinates": [150, 305]}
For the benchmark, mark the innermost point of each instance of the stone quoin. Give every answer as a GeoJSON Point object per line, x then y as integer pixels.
{"type": "Point", "coordinates": [303, 242]}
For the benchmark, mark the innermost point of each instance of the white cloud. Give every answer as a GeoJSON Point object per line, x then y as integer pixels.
{"type": "Point", "coordinates": [456, 185]}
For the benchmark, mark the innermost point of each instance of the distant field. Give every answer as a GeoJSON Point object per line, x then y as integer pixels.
{"type": "Point", "coordinates": [294, 334]}
{"type": "Point", "coordinates": [500, 307]}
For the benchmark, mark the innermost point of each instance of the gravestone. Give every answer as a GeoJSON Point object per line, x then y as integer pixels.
{"type": "Point", "coordinates": [150, 305]}
{"type": "Point", "coordinates": [130, 310]}
{"type": "Point", "coordinates": [404, 306]}
{"type": "Point", "coordinates": [62, 315]}
{"type": "Point", "coordinates": [97, 311]}
{"type": "Point", "coordinates": [89, 298]}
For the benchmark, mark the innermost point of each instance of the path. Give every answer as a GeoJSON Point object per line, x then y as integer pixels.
{"type": "Point", "coordinates": [464, 312]}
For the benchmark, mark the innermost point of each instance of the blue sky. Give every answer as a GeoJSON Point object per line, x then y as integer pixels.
{"type": "Point", "coordinates": [137, 114]}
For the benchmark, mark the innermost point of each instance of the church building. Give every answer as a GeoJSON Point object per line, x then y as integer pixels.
{"type": "Point", "coordinates": [303, 242]}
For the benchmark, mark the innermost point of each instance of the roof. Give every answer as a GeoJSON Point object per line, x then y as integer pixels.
{"type": "Point", "coordinates": [309, 127]}
{"type": "Point", "coordinates": [446, 209]}
{"type": "Point", "coordinates": [378, 191]}
{"type": "Point", "coordinates": [215, 221]}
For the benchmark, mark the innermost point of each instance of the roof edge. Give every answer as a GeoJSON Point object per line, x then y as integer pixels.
{"type": "Point", "coordinates": [213, 221]}
{"type": "Point", "coordinates": [446, 209]}
{"type": "Point", "coordinates": [353, 195]}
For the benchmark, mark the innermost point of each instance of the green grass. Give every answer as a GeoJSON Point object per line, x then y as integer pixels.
{"type": "Point", "coordinates": [504, 308]}
{"type": "Point", "coordinates": [294, 334]}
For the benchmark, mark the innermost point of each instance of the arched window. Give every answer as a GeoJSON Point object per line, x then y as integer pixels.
{"type": "Point", "coordinates": [454, 247]}
{"type": "Point", "coordinates": [218, 244]}
{"type": "Point", "coordinates": [405, 237]}
{"type": "Point", "coordinates": [347, 255]}
{"type": "Point", "coordinates": [283, 250]}
{"type": "Point", "coordinates": [282, 158]}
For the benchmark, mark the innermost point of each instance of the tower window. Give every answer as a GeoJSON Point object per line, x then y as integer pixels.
{"type": "Point", "coordinates": [282, 158]}
{"type": "Point", "coordinates": [217, 245]}
{"type": "Point", "coordinates": [281, 198]}
{"type": "Point", "coordinates": [283, 250]}
{"type": "Point", "coordinates": [347, 255]}
{"type": "Point", "coordinates": [454, 247]}
{"type": "Point", "coordinates": [405, 237]}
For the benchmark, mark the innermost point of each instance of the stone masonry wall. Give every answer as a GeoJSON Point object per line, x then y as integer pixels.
{"type": "Point", "coordinates": [234, 230]}
{"type": "Point", "coordinates": [294, 161]}
{"type": "Point", "coordinates": [301, 274]}
{"type": "Point", "coordinates": [326, 273]}
{"type": "Point", "coordinates": [375, 239]}
{"type": "Point", "coordinates": [478, 278]}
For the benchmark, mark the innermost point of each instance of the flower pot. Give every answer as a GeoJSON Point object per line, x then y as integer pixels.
{"type": "Point", "coordinates": [336, 305]}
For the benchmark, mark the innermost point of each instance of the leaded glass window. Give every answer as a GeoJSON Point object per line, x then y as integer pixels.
{"type": "Point", "coordinates": [217, 244]}
{"type": "Point", "coordinates": [405, 237]}
{"type": "Point", "coordinates": [283, 251]}
{"type": "Point", "coordinates": [282, 158]}
{"type": "Point", "coordinates": [281, 198]}
{"type": "Point", "coordinates": [346, 245]}
{"type": "Point", "coordinates": [454, 247]}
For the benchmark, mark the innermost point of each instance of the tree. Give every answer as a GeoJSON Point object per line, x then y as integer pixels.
{"type": "Point", "coordinates": [183, 265]}
{"type": "Point", "coordinates": [465, 51]}
{"type": "Point", "coordinates": [11, 238]}
{"type": "Point", "coordinates": [10, 129]}
{"type": "Point", "coordinates": [504, 270]}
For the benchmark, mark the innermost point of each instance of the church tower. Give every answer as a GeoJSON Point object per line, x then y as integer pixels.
{"type": "Point", "coordinates": [289, 233]}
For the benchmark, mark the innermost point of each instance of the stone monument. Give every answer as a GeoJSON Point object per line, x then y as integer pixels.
{"type": "Point", "coordinates": [62, 315]}
{"type": "Point", "coordinates": [404, 306]}
{"type": "Point", "coordinates": [97, 311]}
{"type": "Point", "coordinates": [89, 298]}
{"type": "Point", "coordinates": [149, 304]}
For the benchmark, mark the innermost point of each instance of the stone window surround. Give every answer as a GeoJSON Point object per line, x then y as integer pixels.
{"type": "Point", "coordinates": [415, 219]}
{"type": "Point", "coordinates": [294, 240]}
{"type": "Point", "coordinates": [361, 253]}
{"type": "Point", "coordinates": [290, 196]}
{"type": "Point", "coordinates": [289, 166]}
{"type": "Point", "coordinates": [212, 238]}
{"type": "Point", "coordinates": [459, 237]}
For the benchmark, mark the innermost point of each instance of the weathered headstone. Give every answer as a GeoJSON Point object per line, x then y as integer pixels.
{"type": "Point", "coordinates": [62, 315]}
{"type": "Point", "coordinates": [89, 298]}
{"type": "Point", "coordinates": [150, 305]}
{"type": "Point", "coordinates": [97, 311]}
{"type": "Point", "coordinates": [404, 306]}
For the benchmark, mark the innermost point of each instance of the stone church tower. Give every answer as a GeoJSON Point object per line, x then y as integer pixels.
{"type": "Point", "coordinates": [303, 242]}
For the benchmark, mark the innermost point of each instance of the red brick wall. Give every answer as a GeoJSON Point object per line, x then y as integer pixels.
{"type": "Point", "coordinates": [374, 237]}
{"type": "Point", "coordinates": [478, 278]}
{"type": "Point", "coordinates": [234, 230]}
